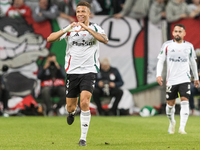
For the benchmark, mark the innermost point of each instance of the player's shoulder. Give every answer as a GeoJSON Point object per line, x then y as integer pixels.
{"type": "Point", "coordinates": [167, 43]}
{"type": "Point", "coordinates": [95, 25]}
{"type": "Point", "coordinates": [188, 43]}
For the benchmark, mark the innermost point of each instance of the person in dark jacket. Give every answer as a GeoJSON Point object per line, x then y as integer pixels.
{"type": "Point", "coordinates": [108, 83]}
{"type": "Point", "coordinates": [52, 76]}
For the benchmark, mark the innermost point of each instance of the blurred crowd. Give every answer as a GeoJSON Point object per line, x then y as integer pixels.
{"type": "Point", "coordinates": [36, 11]}
{"type": "Point", "coordinates": [155, 10]}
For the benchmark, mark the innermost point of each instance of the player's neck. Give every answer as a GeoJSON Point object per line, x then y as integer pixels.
{"type": "Point", "coordinates": [181, 41]}
{"type": "Point", "coordinates": [87, 23]}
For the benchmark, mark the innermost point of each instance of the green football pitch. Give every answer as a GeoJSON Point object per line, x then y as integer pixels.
{"type": "Point", "coordinates": [105, 133]}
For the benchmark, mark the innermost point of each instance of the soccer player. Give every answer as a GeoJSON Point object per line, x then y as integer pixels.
{"type": "Point", "coordinates": [180, 56]}
{"type": "Point", "coordinates": [81, 63]}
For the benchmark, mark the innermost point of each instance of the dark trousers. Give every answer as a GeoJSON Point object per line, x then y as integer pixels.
{"type": "Point", "coordinates": [48, 92]}
{"type": "Point", "coordinates": [4, 96]}
{"type": "Point", "coordinates": [114, 92]}
{"type": "Point", "coordinates": [194, 92]}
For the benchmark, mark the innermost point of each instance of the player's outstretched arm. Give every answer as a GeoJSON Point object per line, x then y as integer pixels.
{"type": "Point", "coordinates": [100, 37]}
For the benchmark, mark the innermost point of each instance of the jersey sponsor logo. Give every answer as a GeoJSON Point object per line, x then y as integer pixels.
{"type": "Point", "coordinates": [84, 43]}
{"type": "Point", "coordinates": [179, 59]}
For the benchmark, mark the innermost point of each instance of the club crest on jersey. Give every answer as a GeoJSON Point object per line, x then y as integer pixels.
{"type": "Point", "coordinates": [83, 43]}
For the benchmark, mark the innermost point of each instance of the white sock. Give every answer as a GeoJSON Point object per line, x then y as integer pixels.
{"type": "Point", "coordinates": [85, 121]}
{"type": "Point", "coordinates": [184, 114]}
{"type": "Point", "coordinates": [170, 110]}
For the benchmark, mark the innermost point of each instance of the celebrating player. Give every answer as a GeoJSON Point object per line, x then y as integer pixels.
{"type": "Point", "coordinates": [81, 63]}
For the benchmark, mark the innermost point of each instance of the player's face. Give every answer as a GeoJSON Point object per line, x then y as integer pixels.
{"type": "Point", "coordinates": [82, 14]}
{"type": "Point", "coordinates": [178, 33]}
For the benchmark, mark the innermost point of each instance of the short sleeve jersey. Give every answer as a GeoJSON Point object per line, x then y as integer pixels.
{"type": "Point", "coordinates": [82, 51]}
{"type": "Point", "coordinates": [178, 57]}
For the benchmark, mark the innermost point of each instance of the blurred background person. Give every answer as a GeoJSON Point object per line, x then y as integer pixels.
{"type": "Point", "coordinates": [194, 7]}
{"type": "Point", "coordinates": [70, 7]}
{"type": "Point", "coordinates": [47, 11]}
{"type": "Point", "coordinates": [19, 9]}
{"type": "Point", "coordinates": [176, 10]}
{"type": "Point", "coordinates": [110, 7]}
{"type": "Point", "coordinates": [157, 11]}
{"type": "Point", "coordinates": [135, 9]}
{"type": "Point", "coordinates": [108, 83]}
{"type": "Point", "coordinates": [4, 6]}
{"type": "Point", "coordinates": [4, 93]}
{"type": "Point", "coordinates": [52, 76]}
{"type": "Point", "coordinates": [195, 91]}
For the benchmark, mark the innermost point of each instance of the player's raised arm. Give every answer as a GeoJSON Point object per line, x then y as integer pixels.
{"type": "Point", "coordinates": [55, 36]}
{"type": "Point", "coordinates": [100, 37]}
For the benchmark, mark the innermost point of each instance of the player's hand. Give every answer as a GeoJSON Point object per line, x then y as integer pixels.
{"type": "Point", "coordinates": [159, 80]}
{"type": "Point", "coordinates": [196, 83]}
{"type": "Point", "coordinates": [83, 27]}
{"type": "Point", "coordinates": [74, 24]}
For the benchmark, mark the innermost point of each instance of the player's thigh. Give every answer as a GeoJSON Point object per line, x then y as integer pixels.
{"type": "Point", "coordinates": [184, 90]}
{"type": "Point", "coordinates": [88, 82]}
{"type": "Point", "coordinates": [72, 86]}
{"type": "Point", "coordinates": [171, 92]}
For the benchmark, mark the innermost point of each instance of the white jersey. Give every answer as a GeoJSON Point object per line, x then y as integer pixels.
{"type": "Point", "coordinates": [179, 57]}
{"type": "Point", "coordinates": [82, 51]}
